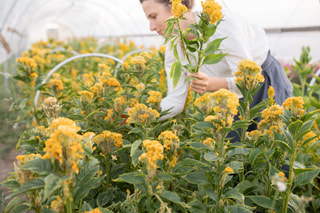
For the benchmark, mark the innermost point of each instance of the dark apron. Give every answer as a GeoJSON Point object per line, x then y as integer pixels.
{"type": "Point", "coordinates": [275, 76]}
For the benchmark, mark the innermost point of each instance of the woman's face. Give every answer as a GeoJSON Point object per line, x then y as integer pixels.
{"type": "Point", "coordinates": [157, 13]}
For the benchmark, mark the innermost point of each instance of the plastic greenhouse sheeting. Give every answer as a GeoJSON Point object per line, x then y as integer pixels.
{"type": "Point", "coordinates": [290, 24]}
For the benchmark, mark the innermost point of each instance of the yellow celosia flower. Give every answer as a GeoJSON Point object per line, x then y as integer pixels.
{"type": "Point", "coordinates": [108, 141]}
{"type": "Point", "coordinates": [178, 9]}
{"type": "Point", "coordinates": [63, 145]}
{"type": "Point", "coordinates": [56, 84]}
{"type": "Point", "coordinates": [228, 169]}
{"type": "Point", "coordinates": [57, 205]}
{"type": "Point", "coordinates": [119, 104]}
{"type": "Point", "coordinates": [97, 90]}
{"type": "Point", "coordinates": [295, 106]}
{"type": "Point", "coordinates": [155, 97]}
{"type": "Point", "coordinates": [248, 75]}
{"type": "Point", "coordinates": [139, 61]}
{"type": "Point", "coordinates": [170, 140]}
{"type": "Point", "coordinates": [271, 95]}
{"type": "Point", "coordinates": [205, 103]}
{"type": "Point", "coordinates": [212, 9]}
{"type": "Point", "coordinates": [208, 142]}
{"type": "Point", "coordinates": [96, 210]}
{"type": "Point", "coordinates": [30, 62]}
{"type": "Point", "coordinates": [109, 117]}
{"type": "Point", "coordinates": [141, 114]}
{"type": "Point", "coordinates": [51, 107]}
{"type": "Point", "coordinates": [85, 97]}
{"type": "Point", "coordinates": [271, 119]}
{"type": "Point", "coordinates": [154, 153]}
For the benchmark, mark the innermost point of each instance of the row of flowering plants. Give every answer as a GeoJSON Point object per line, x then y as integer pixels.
{"type": "Point", "coordinates": [93, 142]}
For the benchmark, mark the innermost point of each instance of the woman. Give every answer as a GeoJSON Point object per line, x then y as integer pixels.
{"type": "Point", "coordinates": [244, 41]}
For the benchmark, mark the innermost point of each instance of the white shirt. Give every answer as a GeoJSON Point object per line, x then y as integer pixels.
{"type": "Point", "coordinates": [244, 41]}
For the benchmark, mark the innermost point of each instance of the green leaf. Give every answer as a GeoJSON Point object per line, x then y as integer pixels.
{"type": "Point", "coordinates": [135, 130]}
{"type": "Point", "coordinates": [193, 162]}
{"type": "Point", "coordinates": [39, 166]}
{"type": "Point", "coordinates": [131, 178]}
{"type": "Point", "coordinates": [240, 124]}
{"type": "Point", "coordinates": [135, 157]}
{"type": "Point", "coordinates": [20, 208]}
{"type": "Point", "coordinates": [171, 196]}
{"type": "Point", "coordinates": [305, 177]}
{"type": "Point", "coordinates": [165, 177]}
{"type": "Point", "coordinates": [240, 209]}
{"type": "Point", "coordinates": [175, 73]}
{"type": "Point", "coordinates": [234, 194]}
{"type": "Point", "coordinates": [211, 156]}
{"type": "Point", "coordinates": [84, 189]}
{"type": "Point", "coordinates": [197, 178]}
{"type": "Point", "coordinates": [213, 58]}
{"type": "Point", "coordinates": [213, 46]}
{"type": "Point", "coordinates": [32, 185]}
{"type": "Point", "coordinates": [135, 147]}
{"type": "Point", "coordinates": [262, 201]}
{"type": "Point", "coordinates": [211, 194]}
{"type": "Point", "coordinates": [175, 53]}
{"type": "Point", "coordinates": [51, 183]}
{"type": "Point", "coordinates": [284, 146]}
{"type": "Point", "coordinates": [237, 151]}
{"type": "Point", "coordinates": [305, 128]}
{"type": "Point", "coordinates": [254, 154]}
{"type": "Point", "coordinates": [16, 201]}
{"type": "Point", "coordinates": [203, 125]}
{"type": "Point", "coordinates": [236, 166]}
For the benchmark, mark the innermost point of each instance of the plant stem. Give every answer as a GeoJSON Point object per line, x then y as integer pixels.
{"type": "Point", "coordinates": [289, 185]}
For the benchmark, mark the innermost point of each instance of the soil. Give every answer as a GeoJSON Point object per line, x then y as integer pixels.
{"type": "Point", "coordinates": [6, 166]}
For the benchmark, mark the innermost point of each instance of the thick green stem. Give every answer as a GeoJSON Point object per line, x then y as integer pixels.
{"type": "Point", "coordinates": [289, 185]}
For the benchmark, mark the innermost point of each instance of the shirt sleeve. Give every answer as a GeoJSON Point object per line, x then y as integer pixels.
{"type": "Point", "coordinates": [176, 97]}
{"type": "Point", "coordinates": [244, 41]}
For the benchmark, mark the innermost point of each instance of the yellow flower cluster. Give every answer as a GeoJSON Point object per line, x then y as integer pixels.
{"type": "Point", "coordinates": [30, 62]}
{"type": "Point", "coordinates": [212, 9]}
{"type": "Point", "coordinates": [85, 97]}
{"type": "Point", "coordinates": [111, 82]}
{"type": "Point", "coordinates": [170, 140]}
{"type": "Point", "coordinates": [154, 153]}
{"type": "Point", "coordinates": [22, 175]}
{"type": "Point", "coordinates": [204, 103]}
{"type": "Point", "coordinates": [109, 117]}
{"type": "Point", "coordinates": [63, 145]}
{"type": "Point", "coordinates": [51, 107]}
{"type": "Point", "coordinates": [108, 141]}
{"type": "Point", "coordinates": [119, 103]}
{"type": "Point", "coordinates": [56, 84]}
{"type": "Point", "coordinates": [295, 106]}
{"type": "Point", "coordinates": [248, 75]}
{"type": "Point", "coordinates": [97, 90]}
{"type": "Point", "coordinates": [271, 95]}
{"type": "Point", "coordinates": [57, 205]}
{"type": "Point", "coordinates": [97, 210]}
{"type": "Point", "coordinates": [271, 119]}
{"type": "Point", "coordinates": [142, 114]}
{"type": "Point", "coordinates": [209, 142]}
{"type": "Point", "coordinates": [178, 9]}
{"type": "Point", "coordinates": [155, 97]}
{"type": "Point", "coordinates": [139, 60]}
{"type": "Point", "coordinates": [225, 102]}
{"type": "Point", "coordinates": [228, 169]}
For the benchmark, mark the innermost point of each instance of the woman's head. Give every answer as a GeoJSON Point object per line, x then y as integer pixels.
{"type": "Point", "coordinates": [158, 11]}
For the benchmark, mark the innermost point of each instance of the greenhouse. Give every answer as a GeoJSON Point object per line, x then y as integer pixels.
{"type": "Point", "coordinates": [160, 106]}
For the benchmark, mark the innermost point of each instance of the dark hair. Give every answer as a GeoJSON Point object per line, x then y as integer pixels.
{"type": "Point", "coordinates": [188, 3]}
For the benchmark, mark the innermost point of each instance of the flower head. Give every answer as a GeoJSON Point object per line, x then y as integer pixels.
{"type": "Point", "coordinates": [294, 105]}
{"type": "Point", "coordinates": [178, 9]}
{"type": "Point", "coordinates": [212, 10]}
{"type": "Point", "coordinates": [108, 141]}
{"type": "Point", "coordinates": [51, 107]}
{"type": "Point", "coordinates": [170, 140]}
{"type": "Point", "coordinates": [141, 114]}
{"type": "Point", "coordinates": [154, 153]}
{"type": "Point", "coordinates": [248, 75]}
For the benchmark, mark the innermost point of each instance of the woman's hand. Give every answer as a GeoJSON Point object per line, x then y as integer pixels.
{"type": "Point", "coordinates": [205, 83]}
{"type": "Point", "coordinates": [201, 84]}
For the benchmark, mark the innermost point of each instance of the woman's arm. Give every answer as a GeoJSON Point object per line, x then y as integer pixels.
{"type": "Point", "coordinates": [205, 83]}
